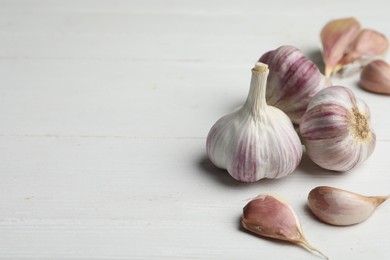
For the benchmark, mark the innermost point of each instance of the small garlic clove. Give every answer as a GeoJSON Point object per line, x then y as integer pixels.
{"type": "Point", "coordinates": [336, 129]}
{"type": "Point", "coordinates": [375, 77]}
{"type": "Point", "coordinates": [272, 217]}
{"type": "Point", "coordinates": [340, 207]}
{"type": "Point", "coordinates": [336, 35]}
{"type": "Point", "coordinates": [293, 80]}
{"type": "Point", "coordinates": [368, 44]}
{"type": "Point", "coordinates": [257, 141]}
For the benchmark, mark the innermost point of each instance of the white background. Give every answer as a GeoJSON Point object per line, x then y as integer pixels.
{"type": "Point", "coordinates": [104, 111]}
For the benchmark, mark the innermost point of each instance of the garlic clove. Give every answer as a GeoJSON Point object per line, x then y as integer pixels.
{"type": "Point", "coordinates": [368, 44]}
{"type": "Point", "coordinates": [336, 35]}
{"type": "Point", "coordinates": [340, 207]}
{"type": "Point", "coordinates": [257, 141]}
{"type": "Point", "coordinates": [375, 77]}
{"type": "Point", "coordinates": [272, 217]}
{"type": "Point", "coordinates": [336, 129]}
{"type": "Point", "coordinates": [293, 80]}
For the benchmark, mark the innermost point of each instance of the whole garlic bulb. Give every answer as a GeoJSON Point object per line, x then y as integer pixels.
{"type": "Point", "coordinates": [336, 129]}
{"type": "Point", "coordinates": [293, 81]}
{"type": "Point", "coordinates": [257, 141]}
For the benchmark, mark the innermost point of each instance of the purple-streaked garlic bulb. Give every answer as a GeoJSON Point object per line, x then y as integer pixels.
{"type": "Point", "coordinates": [293, 80]}
{"type": "Point", "coordinates": [336, 129]}
{"type": "Point", "coordinates": [257, 141]}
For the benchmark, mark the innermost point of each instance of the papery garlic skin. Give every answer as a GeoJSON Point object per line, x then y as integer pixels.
{"type": "Point", "coordinates": [368, 44]}
{"type": "Point", "coordinates": [336, 129]}
{"type": "Point", "coordinates": [336, 36]}
{"type": "Point", "coordinates": [293, 80]}
{"type": "Point", "coordinates": [257, 141]}
{"type": "Point", "coordinates": [340, 207]}
{"type": "Point", "coordinates": [375, 77]}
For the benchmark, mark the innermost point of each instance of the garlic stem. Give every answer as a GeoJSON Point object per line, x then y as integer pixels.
{"type": "Point", "coordinates": [256, 100]}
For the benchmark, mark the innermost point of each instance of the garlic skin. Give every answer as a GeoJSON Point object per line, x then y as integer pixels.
{"type": "Point", "coordinates": [375, 77]}
{"type": "Point", "coordinates": [340, 207]}
{"type": "Point", "coordinates": [367, 45]}
{"type": "Point", "coordinates": [336, 129]}
{"type": "Point", "coordinates": [336, 36]}
{"type": "Point", "coordinates": [257, 141]}
{"type": "Point", "coordinates": [272, 217]}
{"type": "Point", "coordinates": [293, 80]}
{"type": "Point", "coordinates": [347, 45]}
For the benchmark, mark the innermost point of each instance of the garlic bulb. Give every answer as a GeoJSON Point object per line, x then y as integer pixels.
{"type": "Point", "coordinates": [375, 77]}
{"type": "Point", "coordinates": [340, 207]}
{"type": "Point", "coordinates": [336, 129]}
{"type": "Point", "coordinates": [257, 141]}
{"type": "Point", "coordinates": [272, 217]}
{"type": "Point", "coordinates": [293, 81]}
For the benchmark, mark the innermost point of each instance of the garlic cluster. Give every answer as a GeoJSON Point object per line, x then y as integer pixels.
{"type": "Point", "coordinates": [375, 77]}
{"type": "Point", "coordinates": [344, 42]}
{"type": "Point", "coordinates": [272, 217]}
{"type": "Point", "coordinates": [293, 80]}
{"type": "Point", "coordinates": [257, 141]}
{"type": "Point", "coordinates": [340, 207]}
{"type": "Point", "coordinates": [336, 129]}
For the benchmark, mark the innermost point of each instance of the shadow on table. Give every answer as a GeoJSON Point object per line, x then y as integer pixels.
{"type": "Point", "coordinates": [315, 55]}
{"type": "Point", "coordinates": [221, 176]}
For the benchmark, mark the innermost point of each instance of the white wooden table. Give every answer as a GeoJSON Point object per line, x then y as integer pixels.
{"type": "Point", "coordinates": [104, 111]}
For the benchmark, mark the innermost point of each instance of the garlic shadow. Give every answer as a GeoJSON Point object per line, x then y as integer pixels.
{"type": "Point", "coordinates": [223, 177]}
{"type": "Point", "coordinates": [315, 55]}
{"type": "Point", "coordinates": [217, 174]}
{"type": "Point", "coordinates": [307, 166]}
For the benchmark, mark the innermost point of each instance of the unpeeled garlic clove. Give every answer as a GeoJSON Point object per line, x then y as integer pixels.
{"type": "Point", "coordinates": [368, 44]}
{"type": "Point", "coordinates": [272, 217]}
{"type": "Point", "coordinates": [293, 80]}
{"type": "Point", "coordinates": [336, 129]}
{"type": "Point", "coordinates": [340, 207]}
{"type": "Point", "coordinates": [257, 141]}
{"type": "Point", "coordinates": [336, 35]}
{"type": "Point", "coordinates": [375, 77]}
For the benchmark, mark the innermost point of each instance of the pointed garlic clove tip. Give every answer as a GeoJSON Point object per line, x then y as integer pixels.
{"type": "Point", "coordinates": [336, 35]}
{"type": "Point", "coordinates": [328, 71]}
{"type": "Point", "coordinates": [375, 77]}
{"type": "Point", "coordinates": [340, 207]}
{"type": "Point", "coordinates": [272, 217]}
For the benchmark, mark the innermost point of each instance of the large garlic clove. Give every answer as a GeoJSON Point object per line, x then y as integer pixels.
{"type": "Point", "coordinates": [257, 141]}
{"type": "Point", "coordinates": [375, 77]}
{"type": "Point", "coordinates": [367, 45]}
{"type": "Point", "coordinates": [336, 129]}
{"type": "Point", "coordinates": [272, 217]}
{"type": "Point", "coordinates": [340, 207]}
{"type": "Point", "coordinates": [293, 81]}
{"type": "Point", "coordinates": [336, 35]}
